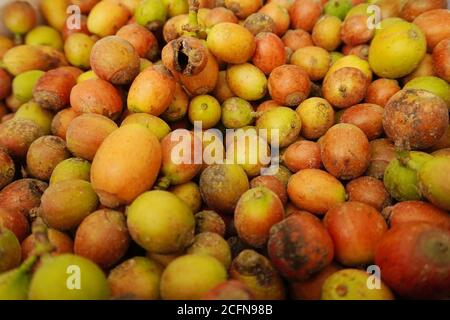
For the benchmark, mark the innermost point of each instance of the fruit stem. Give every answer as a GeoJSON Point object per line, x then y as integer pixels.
{"type": "Point", "coordinates": [40, 233]}
{"type": "Point", "coordinates": [192, 28]}
{"type": "Point", "coordinates": [18, 39]}
{"type": "Point", "coordinates": [28, 264]}
{"type": "Point", "coordinates": [163, 184]}
{"type": "Point", "coordinates": [402, 156]}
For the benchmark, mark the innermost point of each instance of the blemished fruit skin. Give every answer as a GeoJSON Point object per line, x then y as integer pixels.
{"type": "Point", "coordinates": [211, 244]}
{"type": "Point", "coordinates": [68, 277]}
{"type": "Point", "coordinates": [300, 246]}
{"type": "Point", "coordinates": [65, 204]}
{"type": "Point", "coordinates": [352, 284]}
{"type": "Point", "coordinates": [222, 185]}
{"type": "Point", "coordinates": [137, 278]}
{"type": "Point", "coordinates": [190, 276]}
{"type": "Point", "coordinates": [415, 119]}
{"type": "Point", "coordinates": [249, 267]}
{"type": "Point", "coordinates": [161, 222]}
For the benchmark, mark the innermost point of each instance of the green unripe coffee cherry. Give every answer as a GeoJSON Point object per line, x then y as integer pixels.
{"type": "Point", "coordinates": [151, 14]}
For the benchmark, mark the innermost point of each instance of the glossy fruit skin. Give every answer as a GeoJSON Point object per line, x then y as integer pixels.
{"type": "Point", "coordinates": [367, 117]}
{"type": "Point", "coordinates": [381, 90]}
{"type": "Point", "coordinates": [415, 119]}
{"type": "Point", "coordinates": [78, 47]}
{"type": "Point", "coordinates": [61, 120]}
{"type": "Point", "coordinates": [44, 155]}
{"type": "Point", "coordinates": [355, 31]}
{"type": "Point", "coordinates": [205, 109]}
{"type": "Point", "coordinates": [222, 185]}
{"type": "Point", "coordinates": [317, 116]}
{"type": "Point", "coordinates": [296, 39]}
{"type": "Point", "coordinates": [256, 212]}
{"type": "Point", "coordinates": [355, 242]}
{"type": "Point", "coordinates": [151, 13]}
{"type": "Point", "coordinates": [178, 168]}
{"type": "Point", "coordinates": [247, 81]}
{"type": "Point", "coordinates": [415, 211]}
{"type": "Point", "coordinates": [24, 83]}
{"type": "Point", "coordinates": [269, 52]}
{"type": "Point", "coordinates": [107, 17]}
{"type": "Point", "coordinates": [314, 60]}
{"type": "Point", "coordinates": [249, 266]}
{"type": "Point", "coordinates": [410, 47]}
{"type": "Point", "coordinates": [400, 177]}
{"type": "Point", "coordinates": [44, 35]}
{"type": "Point", "coordinates": [311, 289]}
{"type": "Point", "coordinates": [189, 192]}
{"type": "Point", "coordinates": [191, 276]}
{"type": "Point", "coordinates": [370, 191]}
{"type": "Point", "coordinates": [86, 133]}
{"type": "Point", "coordinates": [102, 237]}
{"type": "Point", "coordinates": [272, 183]}
{"type": "Point", "coordinates": [305, 13]}
{"type": "Point", "coordinates": [15, 222]}
{"type": "Point", "coordinates": [141, 38]}
{"type": "Point", "coordinates": [403, 254]}
{"type": "Point", "coordinates": [65, 204]}
{"type": "Point", "coordinates": [229, 290]}
{"type": "Point", "coordinates": [344, 159]}
{"type": "Point", "coordinates": [432, 23]}
{"type": "Point", "coordinates": [152, 91]}
{"type": "Point", "coordinates": [150, 229]}
{"type": "Point", "coordinates": [302, 155]}
{"type": "Point", "coordinates": [239, 47]}
{"type": "Point", "coordinates": [283, 119]}
{"type": "Point", "coordinates": [440, 59]}
{"type": "Point", "coordinates": [19, 17]}
{"type": "Point", "coordinates": [300, 246]}
{"type": "Point", "coordinates": [433, 185]}
{"type": "Point", "coordinates": [137, 278]}
{"type": "Point", "coordinates": [9, 249]}
{"type": "Point", "coordinates": [289, 85]}
{"type": "Point", "coordinates": [301, 192]}
{"type": "Point", "coordinates": [96, 96]}
{"type": "Point", "coordinates": [111, 177]}
{"type": "Point", "coordinates": [432, 84]}
{"type": "Point", "coordinates": [154, 124]}
{"type": "Point", "coordinates": [327, 33]}
{"type": "Point", "coordinates": [338, 85]}
{"type": "Point", "coordinates": [352, 284]}
{"type": "Point", "coordinates": [51, 282]}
